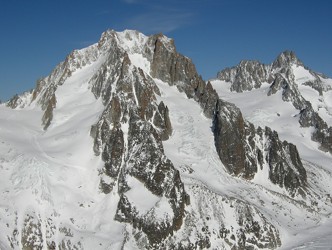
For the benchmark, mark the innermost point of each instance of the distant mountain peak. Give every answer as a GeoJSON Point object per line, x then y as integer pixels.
{"type": "Point", "coordinates": [245, 76]}
{"type": "Point", "coordinates": [288, 76]}
{"type": "Point", "coordinates": [286, 58]}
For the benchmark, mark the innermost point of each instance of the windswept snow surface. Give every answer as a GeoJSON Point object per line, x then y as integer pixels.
{"type": "Point", "coordinates": [315, 238]}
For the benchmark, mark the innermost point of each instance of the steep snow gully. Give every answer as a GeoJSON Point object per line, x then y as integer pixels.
{"type": "Point", "coordinates": [124, 146]}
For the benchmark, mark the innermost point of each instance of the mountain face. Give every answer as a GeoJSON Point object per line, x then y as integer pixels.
{"type": "Point", "coordinates": [124, 146]}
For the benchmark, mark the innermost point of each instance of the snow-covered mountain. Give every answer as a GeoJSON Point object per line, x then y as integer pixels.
{"type": "Point", "coordinates": [124, 146]}
{"type": "Point", "coordinates": [285, 80]}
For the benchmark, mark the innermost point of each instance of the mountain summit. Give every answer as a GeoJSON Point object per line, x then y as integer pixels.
{"type": "Point", "coordinates": [124, 146]}
{"type": "Point", "coordinates": [286, 59]}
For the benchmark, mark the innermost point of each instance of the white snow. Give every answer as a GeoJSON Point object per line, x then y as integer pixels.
{"type": "Point", "coordinates": [163, 210]}
{"type": "Point", "coordinates": [317, 237]}
{"type": "Point", "coordinates": [140, 196]}
{"type": "Point", "coordinates": [141, 62]}
{"type": "Point", "coordinates": [132, 41]}
{"type": "Point", "coordinates": [302, 75]}
{"type": "Point", "coordinates": [134, 44]}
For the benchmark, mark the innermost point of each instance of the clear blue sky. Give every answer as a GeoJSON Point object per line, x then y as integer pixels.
{"type": "Point", "coordinates": [37, 34]}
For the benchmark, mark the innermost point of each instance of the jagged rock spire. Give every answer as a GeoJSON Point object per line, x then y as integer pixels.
{"type": "Point", "coordinates": [285, 59]}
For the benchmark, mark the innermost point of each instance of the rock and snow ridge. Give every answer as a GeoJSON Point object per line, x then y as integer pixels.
{"type": "Point", "coordinates": [124, 146]}
{"type": "Point", "coordinates": [308, 92]}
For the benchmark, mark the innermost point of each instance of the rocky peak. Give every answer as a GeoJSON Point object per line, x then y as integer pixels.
{"type": "Point", "coordinates": [19, 101]}
{"type": "Point", "coordinates": [134, 111]}
{"type": "Point", "coordinates": [129, 40]}
{"type": "Point", "coordinates": [106, 39]}
{"type": "Point", "coordinates": [246, 76]}
{"type": "Point", "coordinates": [286, 59]}
{"type": "Point", "coordinates": [129, 137]}
{"type": "Point", "coordinates": [290, 91]}
{"type": "Point", "coordinates": [170, 66]}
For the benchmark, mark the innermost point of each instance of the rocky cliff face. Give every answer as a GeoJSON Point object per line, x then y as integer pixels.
{"type": "Point", "coordinates": [129, 137]}
{"type": "Point", "coordinates": [244, 149]}
{"type": "Point", "coordinates": [176, 69]}
{"type": "Point", "coordinates": [322, 132]}
{"type": "Point", "coordinates": [246, 76]}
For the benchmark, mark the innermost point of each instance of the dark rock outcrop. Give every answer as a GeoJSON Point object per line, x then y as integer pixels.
{"type": "Point", "coordinates": [230, 139]}
{"type": "Point", "coordinates": [162, 122]}
{"type": "Point", "coordinates": [244, 149]}
{"type": "Point", "coordinates": [48, 114]}
{"type": "Point", "coordinates": [246, 76]}
{"type": "Point", "coordinates": [113, 151]}
{"type": "Point", "coordinates": [322, 132]}
{"type": "Point", "coordinates": [285, 59]}
{"type": "Point", "coordinates": [285, 166]}
{"type": "Point", "coordinates": [176, 69]}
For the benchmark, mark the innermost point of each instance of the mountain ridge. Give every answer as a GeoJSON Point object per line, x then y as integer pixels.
{"type": "Point", "coordinates": [150, 129]}
{"type": "Point", "coordinates": [281, 75]}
